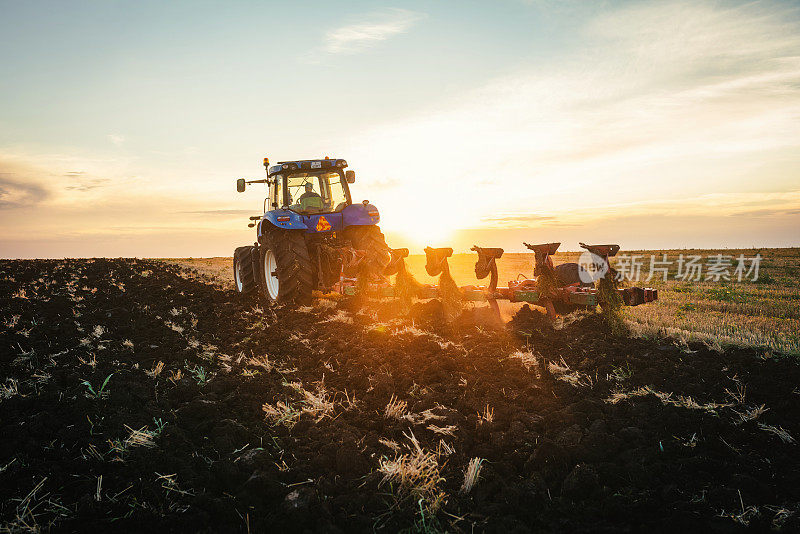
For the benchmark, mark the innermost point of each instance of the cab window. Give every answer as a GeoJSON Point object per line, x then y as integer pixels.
{"type": "Point", "coordinates": [315, 192]}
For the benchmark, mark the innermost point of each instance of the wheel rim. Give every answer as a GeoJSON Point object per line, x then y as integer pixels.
{"type": "Point", "coordinates": [237, 275]}
{"type": "Point", "coordinates": [270, 278]}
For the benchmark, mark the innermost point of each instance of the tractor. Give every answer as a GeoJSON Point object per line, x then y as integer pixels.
{"type": "Point", "coordinates": [311, 237]}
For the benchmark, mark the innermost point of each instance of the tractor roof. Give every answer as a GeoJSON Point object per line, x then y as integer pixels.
{"type": "Point", "coordinates": [307, 165]}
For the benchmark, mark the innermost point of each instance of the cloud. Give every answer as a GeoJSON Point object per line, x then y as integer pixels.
{"type": "Point", "coordinates": [766, 213]}
{"type": "Point", "coordinates": [88, 185]}
{"type": "Point", "coordinates": [516, 220]}
{"type": "Point", "coordinates": [15, 193]}
{"type": "Point", "coordinates": [660, 101]}
{"type": "Point", "coordinates": [116, 139]}
{"type": "Point", "coordinates": [374, 28]}
{"type": "Point", "coordinates": [83, 183]}
{"type": "Point", "coordinates": [220, 212]}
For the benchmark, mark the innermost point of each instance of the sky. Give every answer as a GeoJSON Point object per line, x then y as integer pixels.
{"type": "Point", "coordinates": [668, 124]}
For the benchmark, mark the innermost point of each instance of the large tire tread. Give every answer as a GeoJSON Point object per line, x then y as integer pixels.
{"type": "Point", "coordinates": [295, 268]}
{"type": "Point", "coordinates": [370, 239]}
{"type": "Point", "coordinates": [243, 261]}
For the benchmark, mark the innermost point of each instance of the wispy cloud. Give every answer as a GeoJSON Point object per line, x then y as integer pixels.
{"type": "Point", "coordinates": [84, 185]}
{"type": "Point", "coordinates": [370, 30]}
{"type": "Point", "coordinates": [15, 193]}
{"type": "Point", "coordinates": [664, 101]}
{"type": "Point", "coordinates": [225, 213]}
{"type": "Point", "coordinates": [517, 219]}
{"type": "Point", "coordinates": [116, 139]}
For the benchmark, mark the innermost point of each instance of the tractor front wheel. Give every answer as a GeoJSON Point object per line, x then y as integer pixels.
{"type": "Point", "coordinates": [286, 270]}
{"type": "Point", "coordinates": [244, 275]}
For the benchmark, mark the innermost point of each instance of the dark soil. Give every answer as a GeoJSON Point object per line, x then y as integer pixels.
{"type": "Point", "coordinates": [558, 455]}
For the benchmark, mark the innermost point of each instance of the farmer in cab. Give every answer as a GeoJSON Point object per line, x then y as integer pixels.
{"type": "Point", "coordinates": [310, 199]}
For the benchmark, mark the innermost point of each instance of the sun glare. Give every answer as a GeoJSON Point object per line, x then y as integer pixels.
{"type": "Point", "coordinates": [421, 232]}
{"type": "Point", "coordinates": [418, 221]}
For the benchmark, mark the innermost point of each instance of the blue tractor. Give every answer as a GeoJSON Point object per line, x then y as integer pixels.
{"type": "Point", "coordinates": [310, 235]}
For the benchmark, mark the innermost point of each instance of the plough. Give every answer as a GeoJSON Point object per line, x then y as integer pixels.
{"type": "Point", "coordinates": [559, 289]}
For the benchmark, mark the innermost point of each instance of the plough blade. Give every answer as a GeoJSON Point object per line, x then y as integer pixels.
{"type": "Point", "coordinates": [436, 260]}
{"type": "Point", "coordinates": [604, 251]}
{"type": "Point", "coordinates": [547, 249]}
{"type": "Point", "coordinates": [397, 258]}
{"type": "Point", "coordinates": [547, 288]}
{"type": "Point", "coordinates": [487, 265]}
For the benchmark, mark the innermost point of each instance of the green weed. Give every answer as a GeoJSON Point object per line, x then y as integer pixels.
{"type": "Point", "coordinates": [100, 393]}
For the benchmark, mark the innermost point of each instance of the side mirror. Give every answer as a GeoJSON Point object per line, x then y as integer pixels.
{"type": "Point", "coordinates": [240, 185]}
{"type": "Point", "coordinates": [350, 176]}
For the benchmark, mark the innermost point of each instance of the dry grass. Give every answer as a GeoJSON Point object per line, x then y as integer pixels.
{"type": "Point", "coordinates": [340, 316]}
{"type": "Point", "coordinates": [262, 362]}
{"type": "Point", "coordinates": [156, 370]}
{"type": "Point", "coordinates": [618, 396]}
{"type": "Point", "coordinates": [316, 404]}
{"type": "Point", "coordinates": [281, 413]}
{"type": "Point", "coordinates": [738, 394]}
{"type": "Point", "coordinates": [36, 512]}
{"type": "Point", "coordinates": [449, 430]}
{"type": "Point", "coordinates": [20, 294]}
{"type": "Point", "coordinates": [325, 304]}
{"type": "Point", "coordinates": [778, 431]}
{"type": "Point", "coordinates": [11, 322]}
{"type": "Point", "coordinates": [487, 416]}
{"type": "Point", "coordinates": [679, 401]}
{"type": "Point", "coordinates": [751, 414]}
{"type": "Point", "coordinates": [136, 438]}
{"type": "Point", "coordinates": [471, 475]}
{"type": "Point", "coordinates": [390, 443]}
{"type": "Point", "coordinates": [565, 374]}
{"type": "Point", "coordinates": [413, 330]}
{"type": "Point", "coordinates": [415, 474]}
{"type": "Point", "coordinates": [527, 358]}
{"type": "Point", "coordinates": [395, 409]}
{"type": "Point", "coordinates": [313, 403]}
{"type": "Point", "coordinates": [140, 438]}
{"type": "Point", "coordinates": [9, 389]}
{"type": "Point", "coordinates": [176, 376]}
{"type": "Point", "coordinates": [174, 327]}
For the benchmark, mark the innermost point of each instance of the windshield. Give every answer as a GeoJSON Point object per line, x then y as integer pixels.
{"type": "Point", "coordinates": [316, 192]}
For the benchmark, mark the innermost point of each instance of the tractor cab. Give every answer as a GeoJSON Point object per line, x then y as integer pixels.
{"type": "Point", "coordinates": [310, 186]}
{"type": "Point", "coordinates": [311, 195]}
{"type": "Point", "coordinates": [316, 193]}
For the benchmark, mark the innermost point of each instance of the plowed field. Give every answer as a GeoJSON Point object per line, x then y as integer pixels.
{"type": "Point", "coordinates": [135, 395]}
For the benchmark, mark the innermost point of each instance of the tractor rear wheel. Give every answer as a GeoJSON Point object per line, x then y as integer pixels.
{"type": "Point", "coordinates": [286, 271]}
{"type": "Point", "coordinates": [244, 276]}
{"type": "Point", "coordinates": [370, 239]}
